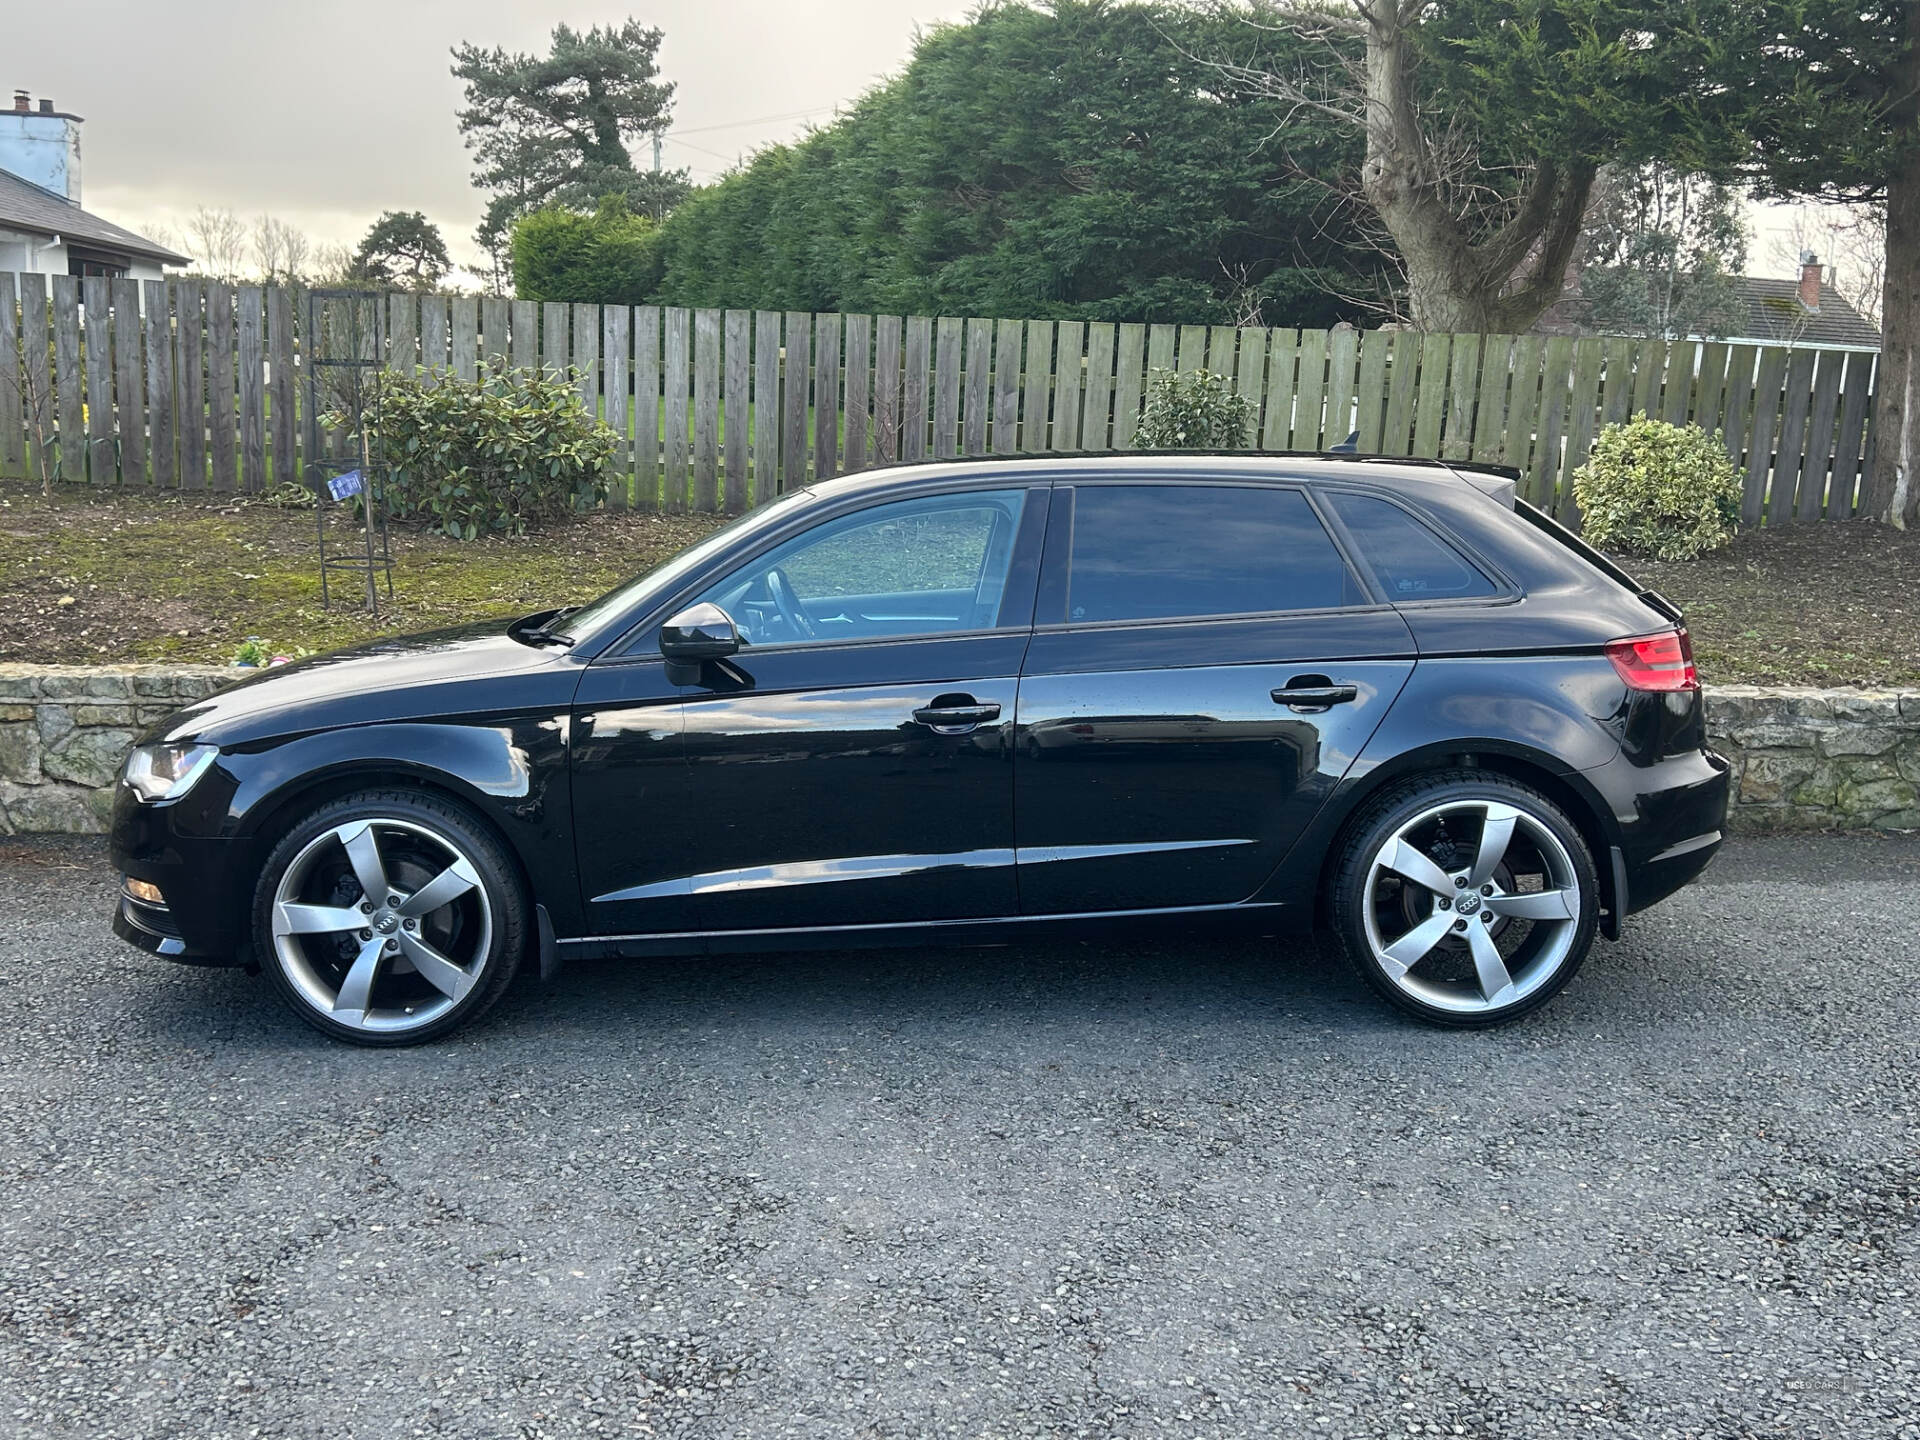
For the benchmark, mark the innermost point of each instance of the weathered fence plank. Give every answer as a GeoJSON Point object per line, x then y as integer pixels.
{"type": "Point", "coordinates": [918, 358]}
{"type": "Point", "coordinates": [584, 358]}
{"type": "Point", "coordinates": [1403, 365]}
{"type": "Point", "coordinates": [795, 382]}
{"type": "Point", "coordinates": [1683, 357]}
{"type": "Point", "coordinates": [616, 341]}
{"type": "Point", "coordinates": [1034, 416]}
{"type": "Point", "coordinates": [161, 401]}
{"type": "Point", "coordinates": [674, 385]}
{"type": "Point", "coordinates": [13, 448]}
{"type": "Point", "coordinates": [1431, 402]}
{"type": "Point", "coordinates": [1819, 444]}
{"type": "Point", "coordinates": [1069, 338]}
{"type": "Point", "coordinates": [466, 337]}
{"type": "Point", "coordinates": [1220, 342]}
{"type": "Point", "coordinates": [555, 353]}
{"type": "Point", "coordinates": [1856, 396]}
{"type": "Point", "coordinates": [39, 402]}
{"type": "Point", "coordinates": [736, 400]}
{"type": "Point", "coordinates": [1495, 391]}
{"type": "Point", "coordinates": [975, 387]}
{"type": "Point", "coordinates": [1006, 388]}
{"type": "Point", "coordinates": [1129, 381]}
{"type": "Point", "coordinates": [706, 411]}
{"type": "Point", "coordinates": [1249, 379]}
{"type": "Point", "coordinates": [946, 388]}
{"type": "Point", "coordinates": [1193, 349]}
{"type": "Point", "coordinates": [1711, 386]}
{"type": "Point", "coordinates": [283, 428]}
{"type": "Point", "coordinates": [646, 403]}
{"type": "Point", "coordinates": [1583, 419]}
{"type": "Point", "coordinates": [1309, 399]}
{"type": "Point", "coordinates": [436, 325]}
{"type": "Point", "coordinates": [1523, 405]}
{"type": "Point", "coordinates": [1555, 378]}
{"type": "Point", "coordinates": [1790, 452]}
{"type": "Point", "coordinates": [857, 407]}
{"type": "Point", "coordinates": [403, 341]}
{"type": "Point", "coordinates": [766, 406]}
{"type": "Point", "coordinates": [1371, 396]}
{"type": "Point", "coordinates": [1343, 352]}
{"type": "Point", "coordinates": [129, 382]}
{"type": "Point", "coordinates": [826, 395]}
{"type": "Point", "coordinates": [886, 389]}
{"type": "Point", "coordinates": [496, 329]}
{"type": "Point", "coordinates": [1767, 399]}
{"type": "Point", "coordinates": [1463, 380]}
{"type": "Point", "coordinates": [1738, 414]}
{"type": "Point", "coordinates": [1276, 407]}
{"type": "Point", "coordinates": [524, 353]}
{"type": "Point", "coordinates": [252, 390]}
{"type": "Point", "coordinates": [1160, 345]}
{"type": "Point", "coordinates": [189, 298]}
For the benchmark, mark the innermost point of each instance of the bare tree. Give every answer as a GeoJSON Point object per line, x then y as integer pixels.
{"type": "Point", "coordinates": [280, 251]}
{"type": "Point", "coordinates": [217, 242]}
{"type": "Point", "coordinates": [1854, 240]}
{"type": "Point", "coordinates": [1485, 246]}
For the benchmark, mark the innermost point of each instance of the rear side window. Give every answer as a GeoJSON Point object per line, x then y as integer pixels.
{"type": "Point", "coordinates": [1163, 552]}
{"type": "Point", "coordinates": [1410, 561]}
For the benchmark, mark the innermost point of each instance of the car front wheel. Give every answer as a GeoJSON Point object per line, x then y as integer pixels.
{"type": "Point", "coordinates": [1465, 898]}
{"type": "Point", "coordinates": [389, 918]}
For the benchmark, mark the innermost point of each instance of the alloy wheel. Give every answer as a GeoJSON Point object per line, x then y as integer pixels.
{"type": "Point", "coordinates": [381, 925]}
{"type": "Point", "coordinates": [1471, 906]}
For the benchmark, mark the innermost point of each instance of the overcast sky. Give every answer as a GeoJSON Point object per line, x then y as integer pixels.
{"type": "Point", "coordinates": [326, 113]}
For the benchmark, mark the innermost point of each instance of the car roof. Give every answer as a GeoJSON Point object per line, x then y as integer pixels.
{"type": "Point", "coordinates": [1400, 472]}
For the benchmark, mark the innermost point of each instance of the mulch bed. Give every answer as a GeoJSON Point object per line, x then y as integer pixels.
{"type": "Point", "coordinates": [97, 577]}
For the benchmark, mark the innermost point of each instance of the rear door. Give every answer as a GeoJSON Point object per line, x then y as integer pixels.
{"type": "Point", "coordinates": [1205, 667]}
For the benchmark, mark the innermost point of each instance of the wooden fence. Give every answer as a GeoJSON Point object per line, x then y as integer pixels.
{"type": "Point", "coordinates": [194, 385]}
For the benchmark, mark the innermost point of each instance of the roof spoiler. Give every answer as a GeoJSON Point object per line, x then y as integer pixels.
{"type": "Point", "coordinates": [1500, 483]}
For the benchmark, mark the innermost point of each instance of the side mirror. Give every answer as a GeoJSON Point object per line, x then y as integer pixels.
{"type": "Point", "coordinates": [700, 632]}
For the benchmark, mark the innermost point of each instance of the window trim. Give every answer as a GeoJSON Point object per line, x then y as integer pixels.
{"type": "Point", "coordinates": [1056, 569]}
{"type": "Point", "coordinates": [638, 642]}
{"type": "Point", "coordinates": [1505, 590]}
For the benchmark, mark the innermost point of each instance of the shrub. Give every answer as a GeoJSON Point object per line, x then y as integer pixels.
{"type": "Point", "coordinates": [497, 454]}
{"type": "Point", "coordinates": [607, 258]}
{"type": "Point", "coordinates": [1193, 410]}
{"type": "Point", "coordinates": [1665, 491]}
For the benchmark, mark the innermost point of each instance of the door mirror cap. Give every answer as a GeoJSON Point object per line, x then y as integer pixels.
{"type": "Point", "coordinates": [700, 632]}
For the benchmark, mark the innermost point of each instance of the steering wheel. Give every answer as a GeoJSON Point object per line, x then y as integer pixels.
{"type": "Point", "coordinates": [781, 589]}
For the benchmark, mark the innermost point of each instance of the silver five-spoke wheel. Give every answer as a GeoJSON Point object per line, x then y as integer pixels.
{"type": "Point", "coordinates": [1467, 900]}
{"type": "Point", "coordinates": [381, 924]}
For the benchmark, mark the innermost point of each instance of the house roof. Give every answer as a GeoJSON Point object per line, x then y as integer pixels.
{"type": "Point", "coordinates": [1775, 315]}
{"type": "Point", "coordinates": [40, 211]}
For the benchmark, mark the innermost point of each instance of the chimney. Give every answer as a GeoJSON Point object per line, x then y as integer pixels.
{"type": "Point", "coordinates": [22, 101]}
{"type": "Point", "coordinates": [1810, 282]}
{"type": "Point", "coordinates": [41, 145]}
{"type": "Point", "coordinates": [46, 107]}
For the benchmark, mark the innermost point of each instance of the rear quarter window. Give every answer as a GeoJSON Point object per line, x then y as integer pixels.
{"type": "Point", "coordinates": [1410, 561]}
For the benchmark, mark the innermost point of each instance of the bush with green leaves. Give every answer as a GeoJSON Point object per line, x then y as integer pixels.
{"type": "Point", "coordinates": [1660, 490]}
{"type": "Point", "coordinates": [608, 257]}
{"type": "Point", "coordinates": [495, 455]}
{"type": "Point", "coordinates": [1193, 410]}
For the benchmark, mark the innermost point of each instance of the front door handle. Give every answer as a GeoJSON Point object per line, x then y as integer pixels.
{"type": "Point", "coordinates": [955, 714]}
{"type": "Point", "coordinates": [1316, 697]}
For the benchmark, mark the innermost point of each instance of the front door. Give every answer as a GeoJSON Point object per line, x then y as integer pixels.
{"type": "Point", "coordinates": [851, 765]}
{"type": "Point", "coordinates": [1204, 669]}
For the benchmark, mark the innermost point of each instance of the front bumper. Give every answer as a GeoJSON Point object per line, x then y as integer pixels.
{"type": "Point", "coordinates": [206, 883]}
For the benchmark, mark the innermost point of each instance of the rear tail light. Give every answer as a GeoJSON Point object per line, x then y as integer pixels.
{"type": "Point", "coordinates": [1662, 661]}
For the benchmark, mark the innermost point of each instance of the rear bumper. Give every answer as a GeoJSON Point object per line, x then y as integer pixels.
{"type": "Point", "coordinates": [1672, 818]}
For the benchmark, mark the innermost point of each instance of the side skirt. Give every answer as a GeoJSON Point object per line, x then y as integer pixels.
{"type": "Point", "coordinates": [1239, 919]}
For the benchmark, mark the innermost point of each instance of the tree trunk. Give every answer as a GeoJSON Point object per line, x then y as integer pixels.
{"type": "Point", "coordinates": [1892, 491]}
{"type": "Point", "coordinates": [1500, 283]}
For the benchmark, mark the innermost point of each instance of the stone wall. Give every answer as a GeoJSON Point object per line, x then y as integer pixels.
{"type": "Point", "coordinates": [65, 731]}
{"type": "Point", "coordinates": [1803, 759]}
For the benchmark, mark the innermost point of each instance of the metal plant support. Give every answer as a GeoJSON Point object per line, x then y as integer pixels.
{"type": "Point", "coordinates": [345, 340]}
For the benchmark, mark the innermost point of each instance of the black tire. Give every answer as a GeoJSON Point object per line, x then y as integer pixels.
{"type": "Point", "coordinates": [421, 821]}
{"type": "Point", "coordinates": [1446, 999]}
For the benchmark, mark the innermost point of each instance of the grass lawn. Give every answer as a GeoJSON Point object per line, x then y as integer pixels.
{"type": "Point", "coordinates": [96, 576]}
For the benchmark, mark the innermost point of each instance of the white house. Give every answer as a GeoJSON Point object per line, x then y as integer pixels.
{"type": "Point", "coordinates": [43, 230]}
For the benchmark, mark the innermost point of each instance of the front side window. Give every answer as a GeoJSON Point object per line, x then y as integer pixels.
{"type": "Point", "coordinates": [1411, 562]}
{"type": "Point", "coordinates": [1162, 552]}
{"type": "Point", "coordinates": [909, 568]}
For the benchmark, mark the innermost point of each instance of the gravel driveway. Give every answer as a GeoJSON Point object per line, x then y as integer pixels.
{"type": "Point", "coordinates": [1147, 1191]}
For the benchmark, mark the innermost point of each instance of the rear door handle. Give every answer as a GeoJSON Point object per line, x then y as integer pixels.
{"type": "Point", "coordinates": [955, 718]}
{"type": "Point", "coordinates": [1316, 697]}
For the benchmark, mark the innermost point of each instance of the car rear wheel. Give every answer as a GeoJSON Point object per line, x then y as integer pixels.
{"type": "Point", "coordinates": [1466, 898]}
{"type": "Point", "coordinates": [389, 918]}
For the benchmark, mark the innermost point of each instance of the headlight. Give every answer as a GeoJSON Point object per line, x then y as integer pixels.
{"type": "Point", "coordinates": [166, 772]}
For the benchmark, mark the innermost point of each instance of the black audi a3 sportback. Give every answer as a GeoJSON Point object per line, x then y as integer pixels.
{"type": "Point", "coordinates": [957, 703]}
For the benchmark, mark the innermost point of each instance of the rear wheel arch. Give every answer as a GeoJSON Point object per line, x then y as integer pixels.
{"type": "Point", "coordinates": [1567, 789]}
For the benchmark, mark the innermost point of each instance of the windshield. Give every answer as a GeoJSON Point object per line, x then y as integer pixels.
{"type": "Point", "coordinates": [610, 606]}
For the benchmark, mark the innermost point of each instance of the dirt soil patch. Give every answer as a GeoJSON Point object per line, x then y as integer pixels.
{"type": "Point", "coordinates": [93, 577]}
{"type": "Point", "coordinates": [1821, 604]}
